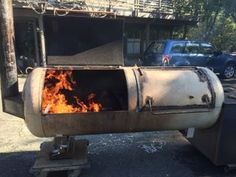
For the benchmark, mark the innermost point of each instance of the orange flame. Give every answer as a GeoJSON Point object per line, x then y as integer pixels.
{"type": "Point", "coordinates": [54, 100]}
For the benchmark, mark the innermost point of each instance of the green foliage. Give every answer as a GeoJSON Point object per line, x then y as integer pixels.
{"type": "Point", "coordinates": [216, 21]}
{"type": "Point", "coordinates": [230, 9]}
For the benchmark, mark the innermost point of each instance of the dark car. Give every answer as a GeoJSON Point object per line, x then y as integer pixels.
{"type": "Point", "coordinates": [189, 53]}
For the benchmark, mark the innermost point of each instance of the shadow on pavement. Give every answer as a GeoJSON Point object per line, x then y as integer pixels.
{"type": "Point", "coordinates": [128, 155]}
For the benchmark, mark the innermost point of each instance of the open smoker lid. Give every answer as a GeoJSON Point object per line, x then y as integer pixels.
{"type": "Point", "coordinates": [83, 41]}
{"type": "Point", "coordinates": [108, 54]}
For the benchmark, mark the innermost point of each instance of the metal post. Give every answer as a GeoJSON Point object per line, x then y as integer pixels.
{"type": "Point", "coordinates": [124, 41]}
{"type": "Point", "coordinates": [185, 31]}
{"type": "Point", "coordinates": [171, 32]}
{"type": "Point", "coordinates": [145, 38]}
{"type": "Point", "coordinates": [9, 81]}
{"type": "Point", "coordinates": [42, 41]}
{"type": "Point", "coordinates": [136, 8]}
{"type": "Point", "coordinates": [36, 43]}
{"type": "Point", "coordinates": [147, 31]}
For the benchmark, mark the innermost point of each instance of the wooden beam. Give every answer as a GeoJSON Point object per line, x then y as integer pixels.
{"type": "Point", "coordinates": [9, 81]}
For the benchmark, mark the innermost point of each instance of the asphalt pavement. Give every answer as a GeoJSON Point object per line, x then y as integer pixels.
{"type": "Point", "coordinates": [159, 154]}
{"type": "Point", "coordinates": [150, 154]}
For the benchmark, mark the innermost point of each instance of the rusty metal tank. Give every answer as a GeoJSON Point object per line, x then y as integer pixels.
{"type": "Point", "coordinates": [133, 100]}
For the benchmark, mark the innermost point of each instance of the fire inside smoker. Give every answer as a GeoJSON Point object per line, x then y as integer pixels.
{"type": "Point", "coordinates": [59, 95]}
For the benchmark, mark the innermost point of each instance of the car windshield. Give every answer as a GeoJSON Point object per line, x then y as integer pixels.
{"type": "Point", "coordinates": [156, 47]}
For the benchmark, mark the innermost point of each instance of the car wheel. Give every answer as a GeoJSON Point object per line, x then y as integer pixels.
{"type": "Point", "coordinates": [229, 71]}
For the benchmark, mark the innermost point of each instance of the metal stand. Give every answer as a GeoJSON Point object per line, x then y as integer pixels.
{"type": "Point", "coordinates": [64, 154]}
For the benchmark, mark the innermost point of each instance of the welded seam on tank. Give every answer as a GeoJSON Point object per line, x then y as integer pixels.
{"type": "Point", "coordinates": [171, 68]}
{"type": "Point", "coordinates": [179, 107]}
{"type": "Point", "coordinates": [186, 111]}
{"type": "Point", "coordinates": [83, 67]}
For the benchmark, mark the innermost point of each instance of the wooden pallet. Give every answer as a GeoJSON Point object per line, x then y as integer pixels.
{"type": "Point", "coordinates": [43, 165]}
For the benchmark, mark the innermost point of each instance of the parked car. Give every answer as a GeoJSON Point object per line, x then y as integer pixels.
{"type": "Point", "coordinates": [189, 53]}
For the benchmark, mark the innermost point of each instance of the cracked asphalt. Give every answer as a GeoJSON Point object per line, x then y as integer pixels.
{"type": "Point", "coordinates": [150, 154]}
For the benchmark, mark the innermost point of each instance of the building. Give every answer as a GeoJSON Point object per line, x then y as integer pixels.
{"type": "Point", "coordinates": [45, 29]}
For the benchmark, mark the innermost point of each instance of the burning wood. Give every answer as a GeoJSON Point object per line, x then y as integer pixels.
{"type": "Point", "coordinates": [59, 84]}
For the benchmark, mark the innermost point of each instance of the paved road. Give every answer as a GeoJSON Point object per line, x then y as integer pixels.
{"type": "Point", "coordinates": [152, 154]}
{"type": "Point", "coordinates": [159, 154]}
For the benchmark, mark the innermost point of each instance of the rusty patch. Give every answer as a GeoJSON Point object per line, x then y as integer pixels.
{"type": "Point", "coordinates": [201, 75]}
{"type": "Point", "coordinates": [203, 78]}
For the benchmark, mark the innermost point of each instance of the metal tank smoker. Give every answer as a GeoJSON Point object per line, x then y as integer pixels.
{"type": "Point", "coordinates": [132, 99]}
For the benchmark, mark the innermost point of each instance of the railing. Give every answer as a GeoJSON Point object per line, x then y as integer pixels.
{"type": "Point", "coordinates": [141, 8]}
{"type": "Point", "coordinates": [138, 8]}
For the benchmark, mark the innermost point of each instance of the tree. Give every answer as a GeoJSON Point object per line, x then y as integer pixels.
{"type": "Point", "coordinates": [216, 20]}
{"type": "Point", "coordinates": [230, 9]}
